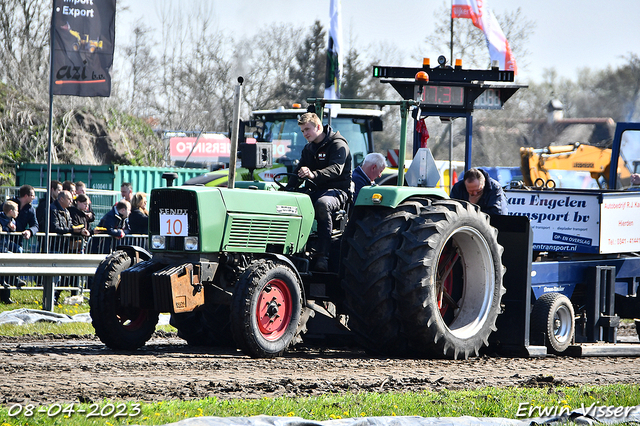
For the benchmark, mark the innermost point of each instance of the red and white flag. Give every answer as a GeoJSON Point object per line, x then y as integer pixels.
{"type": "Point", "coordinates": [483, 18]}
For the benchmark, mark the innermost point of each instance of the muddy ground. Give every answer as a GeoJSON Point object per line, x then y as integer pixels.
{"type": "Point", "coordinates": [58, 369]}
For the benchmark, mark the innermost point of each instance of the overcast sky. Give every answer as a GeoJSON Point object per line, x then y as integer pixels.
{"type": "Point", "coordinates": [569, 34]}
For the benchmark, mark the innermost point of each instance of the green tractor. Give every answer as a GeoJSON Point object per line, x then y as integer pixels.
{"type": "Point", "coordinates": [411, 273]}
{"type": "Point", "coordinates": [270, 142]}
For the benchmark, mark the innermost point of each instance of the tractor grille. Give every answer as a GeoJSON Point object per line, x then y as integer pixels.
{"type": "Point", "coordinates": [164, 198]}
{"type": "Point", "coordinates": [257, 233]}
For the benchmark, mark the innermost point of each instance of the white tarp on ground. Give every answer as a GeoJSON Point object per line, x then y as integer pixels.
{"type": "Point", "coordinates": [30, 316]}
{"type": "Point", "coordinates": [575, 416]}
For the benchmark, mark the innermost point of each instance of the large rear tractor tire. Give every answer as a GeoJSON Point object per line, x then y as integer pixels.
{"type": "Point", "coordinates": [208, 326]}
{"type": "Point", "coordinates": [448, 280]}
{"type": "Point", "coordinates": [553, 315]}
{"type": "Point", "coordinates": [266, 309]}
{"type": "Point", "coordinates": [369, 258]}
{"type": "Point", "coordinates": [118, 327]}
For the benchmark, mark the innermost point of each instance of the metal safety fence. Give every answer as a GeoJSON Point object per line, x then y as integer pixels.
{"type": "Point", "coordinates": [31, 251]}
{"type": "Point", "coordinates": [101, 200]}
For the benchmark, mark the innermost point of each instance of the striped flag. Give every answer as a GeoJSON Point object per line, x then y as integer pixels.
{"type": "Point", "coordinates": [334, 54]}
{"type": "Point", "coordinates": [483, 18]}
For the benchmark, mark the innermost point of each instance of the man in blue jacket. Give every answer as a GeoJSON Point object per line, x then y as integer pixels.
{"type": "Point", "coordinates": [112, 223]}
{"type": "Point", "coordinates": [479, 188]}
{"type": "Point", "coordinates": [370, 170]}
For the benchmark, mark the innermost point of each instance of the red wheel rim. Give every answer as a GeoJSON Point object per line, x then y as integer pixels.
{"type": "Point", "coordinates": [132, 320]}
{"type": "Point", "coordinates": [446, 262]}
{"type": "Point", "coordinates": [274, 309]}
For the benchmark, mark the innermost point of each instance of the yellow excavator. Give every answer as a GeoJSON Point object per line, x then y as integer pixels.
{"type": "Point", "coordinates": [536, 164]}
{"type": "Point", "coordinates": [83, 43]}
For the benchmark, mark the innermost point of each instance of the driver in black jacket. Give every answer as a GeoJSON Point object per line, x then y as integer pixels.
{"type": "Point", "coordinates": [325, 161]}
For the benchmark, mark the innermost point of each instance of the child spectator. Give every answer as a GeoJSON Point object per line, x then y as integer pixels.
{"type": "Point", "coordinates": [81, 189]}
{"type": "Point", "coordinates": [8, 216]}
{"type": "Point", "coordinates": [8, 224]}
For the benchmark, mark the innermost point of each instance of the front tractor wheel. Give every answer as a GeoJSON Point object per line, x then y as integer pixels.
{"type": "Point", "coordinates": [116, 326]}
{"type": "Point", "coordinates": [266, 309]}
{"type": "Point", "coordinates": [449, 280]}
{"type": "Point", "coordinates": [553, 316]}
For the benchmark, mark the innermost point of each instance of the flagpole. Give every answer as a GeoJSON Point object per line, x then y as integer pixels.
{"type": "Point", "coordinates": [48, 196]}
{"type": "Point", "coordinates": [451, 119]}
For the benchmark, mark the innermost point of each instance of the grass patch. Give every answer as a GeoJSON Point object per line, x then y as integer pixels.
{"type": "Point", "coordinates": [32, 299]}
{"type": "Point", "coordinates": [487, 402]}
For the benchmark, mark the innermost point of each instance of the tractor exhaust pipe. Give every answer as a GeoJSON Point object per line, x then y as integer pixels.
{"type": "Point", "coordinates": [233, 156]}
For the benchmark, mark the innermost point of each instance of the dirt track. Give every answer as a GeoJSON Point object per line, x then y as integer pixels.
{"type": "Point", "coordinates": [57, 369]}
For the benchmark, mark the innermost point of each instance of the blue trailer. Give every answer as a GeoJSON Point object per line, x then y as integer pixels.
{"type": "Point", "coordinates": [572, 257]}
{"type": "Point", "coordinates": [583, 276]}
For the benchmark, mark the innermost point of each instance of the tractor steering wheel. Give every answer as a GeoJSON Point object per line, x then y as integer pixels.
{"type": "Point", "coordinates": [308, 182]}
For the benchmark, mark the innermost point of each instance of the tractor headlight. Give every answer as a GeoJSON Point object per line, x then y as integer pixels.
{"type": "Point", "coordinates": [191, 243]}
{"type": "Point", "coordinates": [157, 242]}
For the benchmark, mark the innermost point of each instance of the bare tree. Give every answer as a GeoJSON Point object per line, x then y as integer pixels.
{"type": "Point", "coordinates": [143, 67]}
{"type": "Point", "coordinates": [266, 61]}
{"type": "Point", "coordinates": [24, 46]}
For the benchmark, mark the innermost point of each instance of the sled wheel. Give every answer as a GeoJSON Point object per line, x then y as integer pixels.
{"type": "Point", "coordinates": [553, 315]}
{"type": "Point", "coordinates": [118, 327]}
{"type": "Point", "coordinates": [449, 280]}
{"type": "Point", "coordinates": [266, 309]}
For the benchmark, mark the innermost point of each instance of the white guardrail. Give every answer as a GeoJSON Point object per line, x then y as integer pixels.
{"type": "Point", "coordinates": [49, 266]}
{"type": "Point", "coordinates": [67, 266]}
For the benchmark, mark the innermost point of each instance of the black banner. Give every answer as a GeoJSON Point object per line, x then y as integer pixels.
{"type": "Point", "coordinates": [83, 36]}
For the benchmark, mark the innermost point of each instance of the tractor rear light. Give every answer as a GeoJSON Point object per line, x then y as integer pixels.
{"type": "Point", "coordinates": [297, 105]}
{"type": "Point", "coordinates": [426, 63]}
{"type": "Point", "coordinates": [157, 242]}
{"type": "Point", "coordinates": [376, 198]}
{"type": "Point", "coordinates": [191, 243]}
{"type": "Point", "coordinates": [458, 63]}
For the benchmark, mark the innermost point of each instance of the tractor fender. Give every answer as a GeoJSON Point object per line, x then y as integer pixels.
{"type": "Point", "coordinates": [137, 253]}
{"type": "Point", "coordinates": [286, 260]}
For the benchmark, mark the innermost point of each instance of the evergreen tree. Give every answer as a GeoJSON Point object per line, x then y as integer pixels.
{"type": "Point", "coordinates": [307, 77]}
{"type": "Point", "coordinates": [354, 76]}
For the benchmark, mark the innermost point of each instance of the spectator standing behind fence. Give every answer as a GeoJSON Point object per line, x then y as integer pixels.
{"type": "Point", "coordinates": [8, 217]}
{"type": "Point", "coordinates": [80, 219]}
{"type": "Point", "coordinates": [61, 218]}
{"type": "Point", "coordinates": [67, 185]}
{"type": "Point", "coordinates": [41, 211]}
{"type": "Point", "coordinates": [81, 189]}
{"type": "Point", "coordinates": [8, 224]}
{"type": "Point", "coordinates": [139, 217]}
{"type": "Point", "coordinates": [126, 190]}
{"type": "Point", "coordinates": [61, 224]}
{"type": "Point", "coordinates": [112, 223]}
{"type": "Point", "coordinates": [27, 224]}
